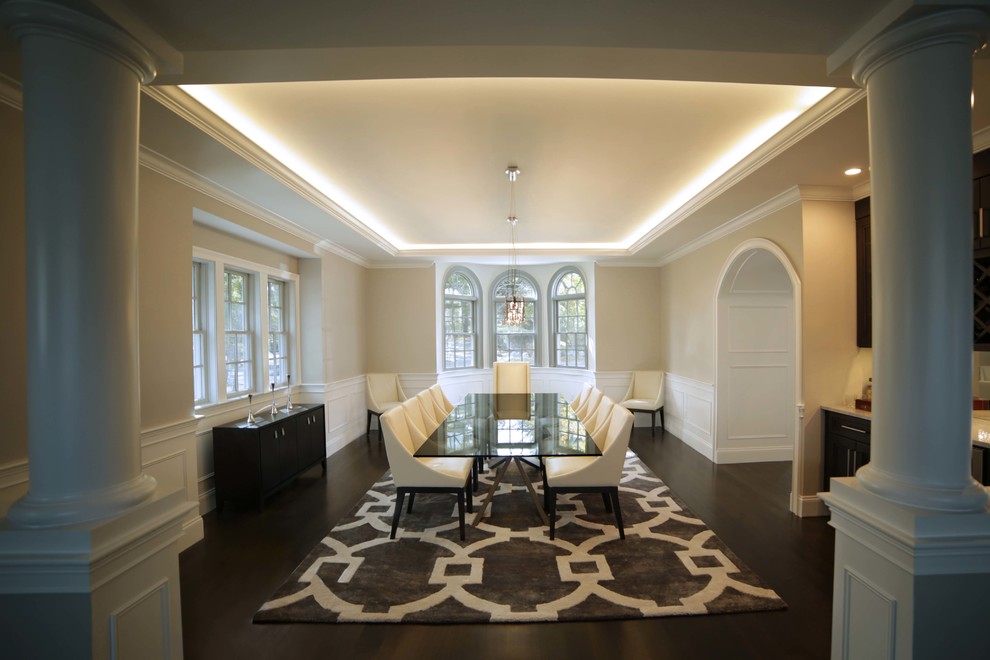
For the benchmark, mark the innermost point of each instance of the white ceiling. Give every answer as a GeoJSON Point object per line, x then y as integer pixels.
{"type": "Point", "coordinates": [396, 120]}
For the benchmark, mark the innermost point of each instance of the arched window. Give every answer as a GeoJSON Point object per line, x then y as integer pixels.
{"type": "Point", "coordinates": [569, 319]}
{"type": "Point", "coordinates": [515, 343]}
{"type": "Point", "coordinates": [461, 347]}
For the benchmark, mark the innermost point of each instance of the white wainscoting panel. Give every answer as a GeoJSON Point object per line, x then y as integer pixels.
{"type": "Point", "coordinates": [457, 383]}
{"type": "Point", "coordinates": [689, 407]}
{"type": "Point", "coordinates": [346, 413]}
{"type": "Point", "coordinates": [169, 454]}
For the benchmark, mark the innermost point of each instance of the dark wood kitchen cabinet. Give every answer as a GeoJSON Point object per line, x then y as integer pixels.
{"type": "Point", "coordinates": [252, 461]}
{"type": "Point", "coordinates": [981, 261]}
{"type": "Point", "coordinates": [864, 275]}
{"type": "Point", "coordinates": [846, 448]}
{"type": "Point", "coordinates": [847, 445]}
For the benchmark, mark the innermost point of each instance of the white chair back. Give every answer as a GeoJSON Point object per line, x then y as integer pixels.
{"type": "Point", "coordinates": [582, 396]}
{"type": "Point", "coordinates": [511, 377]}
{"type": "Point", "coordinates": [414, 415]}
{"type": "Point", "coordinates": [400, 444]}
{"type": "Point", "coordinates": [441, 399]}
{"type": "Point", "coordinates": [619, 430]}
{"type": "Point", "coordinates": [590, 404]}
{"type": "Point", "coordinates": [647, 386]}
{"type": "Point", "coordinates": [597, 425]}
{"type": "Point", "coordinates": [383, 391]}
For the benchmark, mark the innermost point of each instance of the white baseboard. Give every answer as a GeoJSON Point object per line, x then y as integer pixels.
{"type": "Point", "coordinates": [811, 506]}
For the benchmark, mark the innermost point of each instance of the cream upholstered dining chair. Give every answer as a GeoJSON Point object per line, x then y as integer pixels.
{"type": "Point", "coordinates": [590, 404]}
{"type": "Point", "coordinates": [382, 393]}
{"type": "Point", "coordinates": [511, 377]}
{"type": "Point", "coordinates": [413, 475]}
{"type": "Point", "coordinates": [597, 423]}
{"type": "Point", "coordinates": [591, 474]}
{"type": "Point", "coordinates": [441, 398]}
{"type": "Point", "coordinates": [579, 400]}
{"type": "Point", "coordinates": [646, 395]}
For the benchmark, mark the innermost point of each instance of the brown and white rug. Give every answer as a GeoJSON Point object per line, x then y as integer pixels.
{"type": "Point", "coordinates": [508, 570]}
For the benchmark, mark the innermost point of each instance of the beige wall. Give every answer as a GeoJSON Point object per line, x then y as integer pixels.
{"type": "Point", "coordinates": [628, 321]}
{"type": "Point", "coordinates": [345, 292]}
{"type": "Point", "coordinates": [401, 320]}
{"type": "Point", "coordinates": [218, 241]}
{"type": "Point", "coordinates": [828, 320]}
{"type": "Point", "coordinates": [686, 297]}
{"type": "Point", "coordinates": [13, 328]}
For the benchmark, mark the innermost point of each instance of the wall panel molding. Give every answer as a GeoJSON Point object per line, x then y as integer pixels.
{"type": "Point", "coordinates": [690, 410]}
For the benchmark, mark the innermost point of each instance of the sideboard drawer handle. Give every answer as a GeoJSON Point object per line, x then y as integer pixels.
{"type": "Point", "coordinates": [850, 428]}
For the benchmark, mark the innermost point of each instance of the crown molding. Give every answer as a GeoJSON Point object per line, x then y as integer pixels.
{"type": "Point", "coordinates": [165, 166]}
{"type": "Point", "coordinates": [325, 246]}
{"type": "Point", "coordinates": [981, 139]}
{"type": "Point", "coordinates": [627, 264]}
{"type": "Point", "coordinates": [385, 265]}
{"type": "Point", "coordinates": [10, 92]}
{"type": "Point", "coordinates": [862, 189]}
{"type": "Point", "coordinates": [811, 120]}
{"type": "Point", "coordinates": [202, 118]}
{"type": "Point", "coordinates": [826, 193]}
{"type": "Point", "coordinates": [772, 205]}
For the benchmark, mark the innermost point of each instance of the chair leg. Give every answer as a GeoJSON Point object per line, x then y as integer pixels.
{"type": "Point", "coordinates": [653, 423]}
{"type": "Point", "coordinates": [460, 511]}
{"type": "Point", "coordinates": [399, 496]}
{"type": "Point", "coordinates": [552, 513]}
{"type": "Point", "coordinates": [368, 430]}
{"type": "Point", "coordinates": [412, 496]}
{"type": "Point", "coordinates": [546, 492]}
{"type": "Point", "coordinates": [470, 497]}
{"type": "Point", "coordinates": [662, 424]}
{"type": "Point", "coordinates": [608, 502]}
{"type": "Point", "coordinates": [614, 492]}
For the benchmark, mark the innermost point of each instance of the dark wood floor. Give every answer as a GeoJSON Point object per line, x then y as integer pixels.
{"type": "Point", "coordinates": [246, 555]}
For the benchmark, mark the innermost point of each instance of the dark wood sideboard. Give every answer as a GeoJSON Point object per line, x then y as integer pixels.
{"type": "Point", "coordinates": [252, 461]}
{"type": "Point", "coordinates": [846, 448]}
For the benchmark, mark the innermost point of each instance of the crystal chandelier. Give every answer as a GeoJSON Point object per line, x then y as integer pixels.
{"type": "Point", "coordinates": [515, 307]}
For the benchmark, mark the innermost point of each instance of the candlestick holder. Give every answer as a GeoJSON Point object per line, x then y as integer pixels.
{"type": "Point", "coordinates": [250, 419]}
{"type": "Point", "coordinates": [288, 392]}
{"type": "Point", "coordinates": [274, 409]}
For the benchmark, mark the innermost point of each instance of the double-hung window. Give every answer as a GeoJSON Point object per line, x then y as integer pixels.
{"type": "Point", "coordinates": [460, 320]}
{"type": "Point", "coordinates": [200, 332]}
{"type": "Point", "coordinates": [239, 309]}
{"type": "Point", "coordinates": [238, 335]}
{"type": "Point", "coordinates": [515, 343]}
{"type": "Point", "coordinates": [278, 335]}
{"type": "Point", "coordinates": [569, 318]}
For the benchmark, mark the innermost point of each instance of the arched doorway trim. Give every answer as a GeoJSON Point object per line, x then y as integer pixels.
{"type": "Point", "coordinates": [730, 270]}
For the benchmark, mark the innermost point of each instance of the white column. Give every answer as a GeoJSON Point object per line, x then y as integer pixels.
{"type": "Point", "coordinates": [88, 558]}
{"type": "Point", "coordinates": [81, 82]}
{"type": "Point", "coordinates": [912, 542]}
{"type": "Point", "coordinates": [918, 80]}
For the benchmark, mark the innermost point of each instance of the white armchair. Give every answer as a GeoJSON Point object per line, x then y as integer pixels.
{"type": "Point", "coordinates": [579, 400]}
{"type": "Point", "coordinates": [511, 377]}
{"type": "Point", "coordinates": [591, 474]}
{"type": "Point", "coordinates": [441, 398]}
{"type": "Point", "coordinates": [382, 393]}
{"type": "Point", "coordinates": [597, 424]}
{"type": "Point", "coordinates": [413, 475]}
{"type": "Point", "coordinates": [590, 404]}
{"type": "Point", "coordinates": [646, 395]}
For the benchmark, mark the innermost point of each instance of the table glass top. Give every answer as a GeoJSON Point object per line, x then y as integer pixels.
{"type": "Point", "coordinates": [511, 425]}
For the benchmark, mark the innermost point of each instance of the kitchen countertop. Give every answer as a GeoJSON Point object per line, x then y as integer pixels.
{"type": "Point", "coordinates": [981, 422]}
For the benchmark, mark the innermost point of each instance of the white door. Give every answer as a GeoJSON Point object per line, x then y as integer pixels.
{"type": "Point", "coordinates": [756, 363]}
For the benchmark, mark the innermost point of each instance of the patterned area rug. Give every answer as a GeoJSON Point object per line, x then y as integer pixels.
{"type": "Point", "coordinates": [508, 570]}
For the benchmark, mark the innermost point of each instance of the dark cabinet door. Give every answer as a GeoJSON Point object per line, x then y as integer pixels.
{"type": "Point", "coordinates": [846, 446]}
{"type": "Point", "coordinates": [288, 449]}
{"type": "Point", "coordinates": [269, 447]}
{"type": "Point", "coordinates": [315, 444]}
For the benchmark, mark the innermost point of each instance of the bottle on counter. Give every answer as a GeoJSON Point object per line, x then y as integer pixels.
{"type": "Point", "coordinates": [868, 390]}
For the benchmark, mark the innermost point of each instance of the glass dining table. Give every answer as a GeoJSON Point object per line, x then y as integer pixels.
{"type": "Point", "coordinates": [510, 428]}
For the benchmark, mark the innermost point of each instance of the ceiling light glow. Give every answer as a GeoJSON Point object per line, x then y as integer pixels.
{"type": "Point", "coordinates": [853, 171]}
{"type": "Point", "coordinates": [216, 103]}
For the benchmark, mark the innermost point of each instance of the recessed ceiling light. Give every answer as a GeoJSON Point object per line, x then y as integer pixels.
{"type": "Point", "coordinates": [853, 171]}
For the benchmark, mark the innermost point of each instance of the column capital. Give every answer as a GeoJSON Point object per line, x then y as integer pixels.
{"type": "Point", "coordinates": [27, 18]}
{"type": "Point", "coordinates": [966, 26]}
